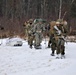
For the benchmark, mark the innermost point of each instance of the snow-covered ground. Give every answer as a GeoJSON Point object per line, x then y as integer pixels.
{"type": "Point", "coordinates": [25, 61]}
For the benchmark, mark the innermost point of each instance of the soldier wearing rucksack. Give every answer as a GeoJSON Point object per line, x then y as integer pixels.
{"type": "Point", "coordinates": [60, 33]}
{"type": "Point", "coordinates": [51, 38]}
{"type": "Point", "coordinates": [38, 32]}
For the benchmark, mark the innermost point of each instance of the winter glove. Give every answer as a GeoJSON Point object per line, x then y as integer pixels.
{"type": "Point", "coordinates": [59, 32]}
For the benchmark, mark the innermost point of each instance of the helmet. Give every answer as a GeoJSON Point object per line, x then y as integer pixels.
{"type": "Point", "coordinates": [30, 20]}
{"type": "Point", "coordinates": [60, 20]}
{"type": "Point", "coordinates": [57, 22]}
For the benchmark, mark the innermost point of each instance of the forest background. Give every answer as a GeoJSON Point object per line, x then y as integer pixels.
{"type": "Point", "coordinates": [13, 13]}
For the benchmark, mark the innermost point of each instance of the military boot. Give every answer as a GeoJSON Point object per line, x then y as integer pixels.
{"type": "Point", "coordinates": [48, 46]}
{"type": "Point", "coordinates": [38, 47]}
{"type": "Point", "coordinates": [52, 54]}
{"type": "Point", "coordinates": [31, 46]}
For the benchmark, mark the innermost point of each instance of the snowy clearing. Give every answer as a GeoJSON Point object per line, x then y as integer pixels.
{"type": "Point", "coordinates": [22, 60]}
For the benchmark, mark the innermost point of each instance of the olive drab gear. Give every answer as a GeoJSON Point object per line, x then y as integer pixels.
{"type": "Point", "coordinates": [60, 20]}
{"type": "Point", "coordinates": [52, 24]}
{"type": "Point", "coordinates": [65, 25]}
{"type": "Point", "coordinates": [51, 32]}
{"type": "Point", "coordinates": [38, 30]}
{"type": "Point", "coordinates": [59, 35]}
{"type": "Point", "coordinates": [51, 37]}
{"type": "Point", "coordinates": [28, 31]}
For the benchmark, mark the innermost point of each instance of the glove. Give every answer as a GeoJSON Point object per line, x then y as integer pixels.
{"type": "Point", "coordinates": [59, 32]}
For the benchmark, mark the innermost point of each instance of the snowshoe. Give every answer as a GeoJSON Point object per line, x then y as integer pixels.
{"type": "Point", "coordinates": [62, 56]}
{"type": "Point", "coordinates": [31, 46]}
{"type": "Point", "coordinates": [58, 56]}
{"type": "Point", "coordinates": [52, 54]}
{"type": "Point", "coordinates": [37, 47]}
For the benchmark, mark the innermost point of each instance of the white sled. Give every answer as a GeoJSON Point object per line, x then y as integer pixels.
{"type": "Point", "coordinates": [14, 42]}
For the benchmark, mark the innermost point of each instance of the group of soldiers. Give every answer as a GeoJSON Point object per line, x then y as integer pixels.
{"type": "Point", "coordinates": [57, 31]}
{"type": "Point", "coordinates": [34, 30]}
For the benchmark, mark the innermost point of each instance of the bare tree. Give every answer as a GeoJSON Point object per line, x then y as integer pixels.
{"type": "Point", "coordinates": [60, 10]}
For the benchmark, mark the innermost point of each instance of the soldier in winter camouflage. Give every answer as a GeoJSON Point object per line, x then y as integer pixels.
{"type": "Point", "coordinates": [59, 35]}
{"type": "Point", "coordinates": [38, 30]}
{"type": "Point", "coordinates": [28, 32]}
